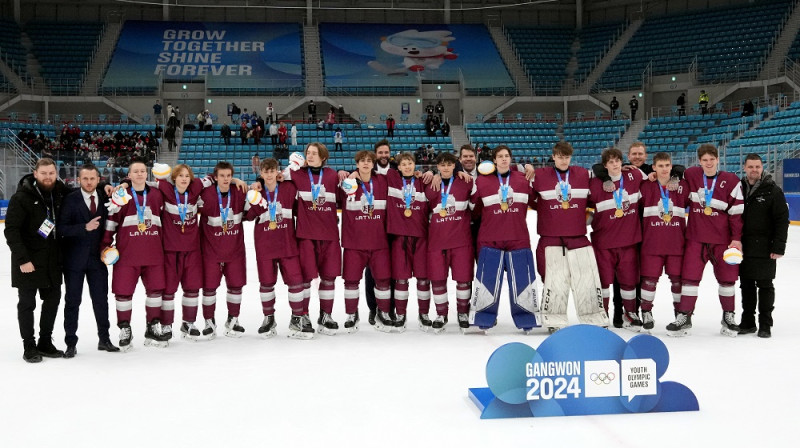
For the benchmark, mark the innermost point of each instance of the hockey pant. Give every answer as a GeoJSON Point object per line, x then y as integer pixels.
{"type": "Point", "coordinates": [574, 269]}
{"type": "Point", "coordinates": [521, 277]}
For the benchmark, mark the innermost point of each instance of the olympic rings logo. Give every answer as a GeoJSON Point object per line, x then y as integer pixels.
{"type": "Point", "coordinates": [602, 378]}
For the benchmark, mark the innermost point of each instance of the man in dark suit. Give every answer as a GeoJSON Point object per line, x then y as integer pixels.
{"type": "Point", "coordinates": [82, 223]}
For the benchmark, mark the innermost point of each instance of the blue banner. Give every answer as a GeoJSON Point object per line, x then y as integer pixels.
{"type": "Point", "coordinates": [791, 175]}
{"type": "Point", "coordinates": [223, 53]}
{"type": "Point", "coordinates": [3, 209]}
{"type": "Point", "coordinates": [393, 55]}
{"type": "Point", "coordinates": [580, 370]}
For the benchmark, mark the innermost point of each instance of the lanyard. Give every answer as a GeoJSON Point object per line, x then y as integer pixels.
{"type": "Point", "coordinates": [369, 194]}
{"type": "Point", "coordinates": [407, 189]}
{"type": "Point", "coordinates": [446, 193]}
{"type": "Point", "coordinates": [182, 207]}
{"type": "Point", "coordinates": [504, 187]}
{"type": "Point", "coordinates": [140, 210]}
{"type": "Point", "coordinates": [51, 214]}
{"type": "Point", "coordinates": [223, 212]}
{"type": "Point", "coordinates": [564, 184]}
{"type": "Point", "coordinates": [664, 197]}
{"type": "Point", "coordinates": [315, 188]}
{"type": "Point", "coordinates": [273, 202]}
{"type": "Point", "coordinates": [708, 192]}
{"type": "Point", "coordinates": [618, 192]}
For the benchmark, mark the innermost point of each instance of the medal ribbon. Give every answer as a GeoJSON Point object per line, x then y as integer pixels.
{"type": "Point", "coordinates": [446, 193]}
{"type": "Point", "coordinates": [140, 210]}
{"type": "Point", "coordinates": [370, 196]}
{"type": "Point", "coordinates": [223, 212]}
{"type": "Point", "coordinates": [273, 202]}
{"type": "Point", "coordinates": [182, 207]}
{"type": "Point", "coordinates": [664, 198]}
{"type": "Point", "coordinates": [407, 193]}
{"type": "Point", "coordinates": [618, 192]}
{"type": "Point", "coordinates": [315, 188]}
{"type": "Point", "coordinates": [564, 184]}
{"type": "Point", "coordinates": [709, 193]}
{"type": "Point", "coordinates": [504, 186]}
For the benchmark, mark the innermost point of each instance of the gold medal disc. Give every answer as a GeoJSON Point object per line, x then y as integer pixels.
{"type": "Point", "coordinates": [313, 206]}
{"type": "Point", "coordinates": [442, 213]}
{"type": "Point", "coordinates": [667, 217]}
{"type": "Point", "coordinates": [565, 205]}
{"type": "Point", "coordinates": [707, 211]}
{"type": "Point", "coordinates": [504, 206]}
{"type": "Point", "coordinates": [618, 213]}
{"type": "Point", "coordinates": [183, 228]}
{"type": "Point", "coordinates": [224, 228]}
{"type": "Point", "coordinates": [407, 213]}
{"type": "Point", "coordinates": [142, 227]}
{"type": "Point", "coordinates": [273, 225]}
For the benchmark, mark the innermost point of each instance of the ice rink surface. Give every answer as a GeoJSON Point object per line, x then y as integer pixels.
{"type": "Point", "coordinates": [375, 389]}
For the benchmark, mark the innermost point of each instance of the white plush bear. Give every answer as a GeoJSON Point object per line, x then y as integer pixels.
{"type": "Point", "coordinates": [420, 50]}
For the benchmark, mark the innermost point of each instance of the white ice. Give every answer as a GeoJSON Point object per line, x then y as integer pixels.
{"type": "Point", "coordinates": [375, 389]}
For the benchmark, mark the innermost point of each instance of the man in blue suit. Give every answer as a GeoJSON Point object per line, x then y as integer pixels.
{"type": "Point", "coordinates": [81, 224]}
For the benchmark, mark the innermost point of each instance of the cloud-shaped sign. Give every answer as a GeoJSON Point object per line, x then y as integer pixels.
{"type": "Point", "coordinates": [580, 370]}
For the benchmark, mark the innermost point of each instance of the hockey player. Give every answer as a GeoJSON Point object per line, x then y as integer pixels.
{"type": "Point", "coordinates": [564, 256]}
{"type": "Point", "coordinates": [364, 241]}
{"type": "Point", "coordinates": [501, 199]}
{"type": "Point", "coordinates": [317, 229]}
{"type": "Point", "coordinates": [714, 225]}
{"type": "Point", "coordinates": [407, 223]}
{"type": "Point", "coordinates": [222, 243]}
{"type": "Point", "coordinates": [616, 233]}
{"type": "Point", "coordinates": [136, 227]}
{"type": "Point", "coordinates": [449, 241]}
{"type": "Point", "coordinates": [663, 228]}
{"type": "Point", "coordinates": [276, 246]}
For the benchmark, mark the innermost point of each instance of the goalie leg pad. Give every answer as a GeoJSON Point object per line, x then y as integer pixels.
{"type": "Point", "coordinates": [556, 288]}
{"type": "Point", "coordinates": [586, 287]}
{"type": "Point", "coordinates": [488, 281]}
{"type": "Point", "coordinates": [521, 276]}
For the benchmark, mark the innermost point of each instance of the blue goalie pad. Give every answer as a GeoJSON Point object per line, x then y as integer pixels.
{"type": "Point", "coordinates": [521, 276]}
{"type": "Point", "coordinates": [488, 281]}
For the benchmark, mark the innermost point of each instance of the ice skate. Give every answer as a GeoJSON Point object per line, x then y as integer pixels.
{"type": "Point", "coordinates": [631, 321]}
{"type": "Point", "coordinates": [371, 317]}
{"type": "Point", "coordinates": [384, 322]}
{"type": "Point", "coordinates": [351, 324]}
{"type": "Point", "coordinates": [326, 324]}
{"type": "Point", "coordinates": [125, 336]}
{"type": "Point", "coordinates": [729, 327]}
{"type": "Point", "coordinates": [681, 327]}
{"type": "Point", "coordinates": [166, 331]}
{"type": "Point", "coordinates": [425, 322]}
{"type": "Point", "coordinates": [438, 324]}
{"type": "Point", "coordinates": [647, 321]}
{"type": "Point", "coordinates": [400, 323]}
{"type": "Point", "coordinates": [232, 328]}
{"type": "Point", "coordinates": [189, 331]}
{"type": "Point", "coordinates": [300, 327]}
{"type": "Point", "coordinates": [210, 331]}
{"type": "Point", "coordinates": [268, 327]}
{"type": "Point", "coordinates": [552, 330]}
{"type": "Point", "coordinates": [463, 322]}
{"type": "Point", "coordinates": [153, 336]}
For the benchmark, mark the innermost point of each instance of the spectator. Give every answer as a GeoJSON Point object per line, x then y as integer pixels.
{"type": "Point", "coordinates": [245, 117]}
{"type": "Point", "coordinates": [157, 117]}
{"type": "Point", "coordinates": [439, 111]}
{"type": "Point", "coordinates": [634, 105]}
{"type": "Point", "coordinates": [390, 126]}
{"type": "Point", "coordinates": [159, 131]}
{"type": "Point", "coordinates": [748, 109]}
{"type": "Point", "coordinates": [429, 110]}
{"type": "Point", "coordinates": [170, 136]}
{"type": "Point", "coordinates": [235, 112]}
{"type": "Point", "coordinates": [271, 116]}
{"type": "Point", "coordinates": [341, 114]}
{"type": "Point", "coordinates": [681, 103]}
{"type": "Point", "coordinates": [312, 112]}
{"type": "Point", "coordinates": [446, 129]}
{"type": "Point", "coordinates": [331, 118]}
{"type": "Point", "coordinates": [282, 135]}
{"type": "Point", "coordinates": [209, 122]}
{"type": "Point", "coordinates": [201, 121]}
{"type": "Point", "coordinates": [337, 139]}
{"type": "Point", "coordinates": [294, 134]}
{"type": "Point", "coordinates": [255, 164]}
{"type": "Point", "coordinates": [321, 125]}
{"type": "Point", "coordinates": [244, 131]}
{"type": "Point", "coordinates": [703, 102]}
{"type": "Point", "coordinates": [273, 134]}
{"type": "Point", "coordinates": [613, 105]}
{"type": "Point", "coordinates": [226, 133]}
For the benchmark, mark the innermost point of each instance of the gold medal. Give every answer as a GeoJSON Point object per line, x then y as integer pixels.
{"type": "Point", "coordinates": [618, 213]}
{"type": "Point", "coordinates": [273, 225]}
{"type": "Point", "coordinates": [504, 206]}
{"type": "Point", "coordinates": [707, 210]}
{"type": "Point", "coordinates": [142, 227]}
{"type": "Point", "coordinates": [313, 205]}
{"type": "Point", "coordinates": [667, 217]}
{"type": "Point", "coordinates": [565, 205]}
{"type": "Point", "coordinates": [442, 213]}
{"type": "Point", "coordinates": [224, 228]}
{"type": "Point", "coordinates": [183, 227]}
{"type": "Point", "coordinates": [407, 213]}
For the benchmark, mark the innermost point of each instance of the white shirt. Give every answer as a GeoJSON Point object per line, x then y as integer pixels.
{"type": "Point", "coordinates": [88, 201]}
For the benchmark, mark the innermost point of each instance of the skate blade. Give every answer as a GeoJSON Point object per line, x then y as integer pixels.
{"type": "Point", "coordinates": [383, 328]}
{"type": "Point", "coordinates": [400, 329]}
{"type": "Point", "coordinates": [679, 333]}
{"type": "Point", "coordinates": [353, 329]}
{"type": "Point", "coordinates": [268, 334]}
{"type": "Point", "coordinates": [647, 330]}
{"type": "Point", "coordinates": [633, 328]}
{"type": "Point", "coordinates": [326, 331]}
{"type": "Point", "coordinates": [126, 348]}
{"type": "Point", "coordinates": [300, 335]}
{"type": "Point", "coordinates": [725, 331]}
{"type": "Point", "coordinates": [156, 344]}
{"type": "Point", "coordinates": [234, 334]}
{"type": "Point", "coordinates": [189, 337]}
{"type": "Point", "coordinates": [439, 330]}
{"type": "Point", "coordinates": [209, 337]}
{"type": "Point", "coordinates": [425, 328]}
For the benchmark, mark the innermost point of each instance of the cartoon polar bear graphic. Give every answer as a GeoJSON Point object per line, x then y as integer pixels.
{"type": "Point", "coordinates": [420, 50]}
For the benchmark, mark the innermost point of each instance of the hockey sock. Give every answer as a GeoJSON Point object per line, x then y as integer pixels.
{"type": "Point", "coordinates": [401, 296]}
{"type": "Point", "coordinates": [267, 293]}
{"type": "Point", "coordinates": [326, 294]}
{"type": "Point", "coordinates": [628, 294]}
{"type": "Point", "coordinates": [124, 308]}
{"type": "Point", "coordinates": [296, 301]}
{"type": "Point", "coordinates": [463, 294]}
{"type": "Point", "coordinates": [606, 298]}
{"type": "Point", "coordinates": [688, 297]}
{"type": "Point", "coordinates": [189, 305]}
{"type": "Point", "coordinates": [727, 296]}
{"type": "Point", "coordinates": [306, 295]}
{"type": "Point", "coordinates": [351, 296]}
{"type": "Point", "coordinates": [234, 301]}
{"type": "Point", "coordinates": [423, 295]}
{"type": "Point", "coordinates": [440, 297]}
{"type": "Point", "coordinates": [648, 292]}
{"type": "Point", "coordinates": [209, 304]}
{"type": "Point", "coordinates": [168, 309]}
{"type": "Point", "coordinates": [152, 305]}
{"type": "Point", "coordinates": [383, 294]}
{"type": "Point", "coordinates": [676, 292]}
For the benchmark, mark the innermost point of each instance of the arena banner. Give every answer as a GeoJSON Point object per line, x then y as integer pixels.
{"type": "Point", "coordinates": [3, 209]}
{"type": "Point", "coordinates": [791, 175]}
{"type": "Point", "coordinates": [580, 370]}
{"type": "Point", "coordinates": [187, 51]}
{"type": "Point", "coordinates": [394, 54]}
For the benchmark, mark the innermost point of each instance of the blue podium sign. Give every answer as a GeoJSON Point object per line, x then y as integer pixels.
{"type": "Point", "coordinates": [580, 370]}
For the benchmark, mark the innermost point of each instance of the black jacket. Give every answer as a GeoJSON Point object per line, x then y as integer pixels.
{"type": "Point", "coordinates": [27, 210]}
{"type": "Point", "coordinates": [765, 218]}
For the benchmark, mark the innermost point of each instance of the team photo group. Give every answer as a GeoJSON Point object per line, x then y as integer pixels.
{"type": "Point", "coordinates": [468, 222]}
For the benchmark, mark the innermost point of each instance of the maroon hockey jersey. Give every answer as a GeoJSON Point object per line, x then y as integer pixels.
{"type": "Point", "coordinates": [222, 241]}
{"type": "Point", "coordinates": [452, 230]}
{"type": "Point", "coordinates": [397, 221]}
{"type": "Point", "coordinates": [727, 204]}
{"type": "Point", "coordinates": [137, 248]}
{"type": "Point", "coordinates": [279, 242]}
{"type": "Point", "coordinates": [662, 236]}
{"type": "Point", "coordinates": [361, 229]}
{"type": "Point", "coordinates": [608, 229]}
{"type": "Point", "coordinates": [498, 224]}
{"type": "Point", "coordinates": [318, 222]}
{"type": "Point", "coordinates": [552, 218]}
